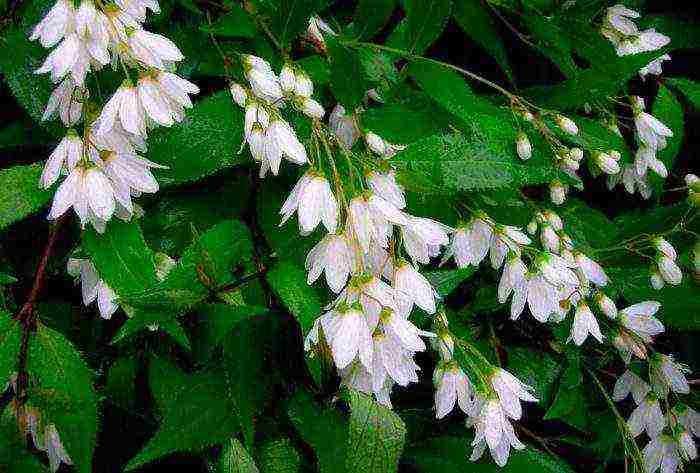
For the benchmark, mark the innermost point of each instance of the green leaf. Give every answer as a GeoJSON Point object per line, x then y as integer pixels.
{"type": "Point", "coordinates": [121, 383]}
{"type": "Point", "coordinates": [195, 410]}
{"type": "Point", "coordinates": [279, 456]}
{"type": "Point", "coordinates": [450, 163]}
{"type": "Point", "coordinates": [424, 23]}
{"type": "Point", "coordinates": [121, 257]}
{"type": "Point", "coordinates": [10, 336]}
{"type": "Point", "coordinates": [684, 34]}
{"type": "Point", "coordinates": [348, 79]}
{"type": "Point", "coordinates": [289, 18]}
{"type": "Point", "coordinates": [235, 23]}
{"type": "Point", "coordinates": [475, 20]}
{"type": "Point", "coordinates": [669, 111]}
{"type": "Point", "coordinates": [447, 280]}
{"type": "Point", "coordinates": [216, 321]}
{"type": "Point", "coordinates": [570, 401]}
{"type": "Point", "coordinates": [689, 88]}
{"type": "Point", "coordinates": [537, 369]}
{"type": "Point", "coordinates": [322, 428]}
{"type": "Point", "coordinates": [205, 266]}
{"type": "Point", "coordinates": [587, 225]}
{"type": "Point", "coordinates": [451, 455]}
{"type": "Point", "coordinates": [62, 391]}
{"type": "Point", "coordinates": [205, 142]}
{"type": "Point", "coordinates": [406, 122]}
{"type": "Point", "coordinates": [14, 456]}
{"type": "Point", "coordinates": [371, 16]}
{"type": "Point", "coordinates": [551, 41]}
{"type": "Point", "coordinates": [250, 375]}
{"type": "Point", "coordinates": [20, 195]}
{"type": "Point", "coordinates": [235, 459]}
{"type": "Point", "coordinates": [288, 281]}
{"type": "Point", "coordinates": [375, 438]}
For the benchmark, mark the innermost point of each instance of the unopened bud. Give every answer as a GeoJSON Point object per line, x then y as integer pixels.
{"type": "Point", "coordinates": [523, 146]}
{"type": "Point", "coordinates": [567, 125]}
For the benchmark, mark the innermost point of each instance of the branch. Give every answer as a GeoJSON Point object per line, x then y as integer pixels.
{"type": "Point", "coordinates": [27, 316]}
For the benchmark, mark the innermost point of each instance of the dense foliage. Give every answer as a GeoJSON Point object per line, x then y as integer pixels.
{"type": "Point", "coordinates": [372, 236]}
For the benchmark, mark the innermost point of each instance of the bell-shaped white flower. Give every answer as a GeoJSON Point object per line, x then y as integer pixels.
{"type": "Point", "coordinates": [263, 81]}
{"type": "Point", "coordinates": [413, 288]}
{"type": "Point", "coordinates": [505, 239]}
{"type": "Point", "coordinates": [639, 319]}
{"type": "Point", "coordinates": [557, 192]}
{"type": "Point", "coordinates": [511, 391]}
{"type": "Point", "coordinates": [57, 23]}
{"type": "Point", "coordinates": [493, 429]}
{"type": "Point", "coordinates": [153, 50]}
{"type": "Point", "coordinates": [137, 9]}
{"type": "Point", "coordinates": [314, 202]}
{"type": "Point", "coordinates": [513, 275]}
{"type": "Point", "coordinates": [647, 416]}
{"type": "Point", "coordinates": [70, 56]}
{"type": "Point", "coordinates": [316, 29]}
{"type": "Point", "coordinates": [566, 124]}
{"type": "Point", "coordinates": [663, 246]}
{"type": "Point", "coordinates": [164, 96]}
{"type": "Point", "coordinates": [312, 108]}
{"type": "Point", "coordinates": [452, 387]}
{"type": "Point", "coordinates": [407, 335]}
{"type": "Point", "coordinates": [665, 373]}
{"type": "Point", "coordinates": [606, 305]}
{"type": "Point", "coordinates": [344, 126]}
{"type": "Point", "coordinates": [386, 187]}
{"type": "Point", "coordinates": [88, 191]}
{"type": "Point", "coordinates": [126, 108]}
{"type": "Point", "coordinates": [423, 238]}
{"type": "Point", "coordinates": [391, 363]}
{"type": "Point", "coordinates": [650, 131]}
{"type": "Point", "coordinates": [63, 159]}
{"type": "Point", "coordinates": [669, 270]}
{"type": "Point", "coordinates": [281, 142]}
{"type": "Point", "coordinates": [54, 448]}
{"type": "Point", "coordinates": [592, 270]}
{"type": "Point", "coordinates": [333, 256]}
{"type": "Point", "coordinates": [523, 146]}
{"type": "Point", "coordinates": [130, 174]}
{"type": "Point", "coordinates": [556, 270]}
{"type": "Point", "coordinates": [349, 337]}
{"type": "Point", "coordinates": [667, 453]}
{"type": "Point", "coordinates": [67, 99]}
{"type": "Point", "coordinates": [584, 324]}
{"type": "Point", "coordinates": [92, 287]}
{"type": "Point", "coordinates": [541, 296]}
{"type": "Point", "coordinates": [654, 68]}
{"type": "Point", "coordinates": [628, 383]}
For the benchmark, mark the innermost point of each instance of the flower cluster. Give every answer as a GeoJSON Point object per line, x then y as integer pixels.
{"type": "Point", "coordinates": [619, 27]}
{"type": "Point", "coordinates": [104, 166]}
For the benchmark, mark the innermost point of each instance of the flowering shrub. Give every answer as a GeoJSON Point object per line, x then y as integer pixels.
{"type": "Point", "coordinates": [315, 246]}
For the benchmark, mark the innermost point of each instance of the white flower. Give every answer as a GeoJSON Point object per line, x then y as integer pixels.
{"type": "Point", "coordinates": [54, 448]}
{"type": "Point", "coordinates": [592, 270]}
{"type": "Point", "coordinates": [137, 9]}
{"type": "Point", "coordinates": [239, 94]}
{"type": "Point", "coordinates": [650, 131]}
{"type": "Point", "coordinates": [332, 255]}
{"type": "Point", "coordinates": [495, 430]}
{"type": "Point", "coordinates": [413, 288]}
{"type": "Point", "coordinates": [656, 280]}
{"type": "Point", "coordinates": [523, 146]}
{"type": "Point", "coordinates": [63, 159]}
{"type": "Point", "coordinates": [511, 391]}
{"type": "Point", "coordinates": [303, 87]}
{"type": "Point", "coordinates": [403, 331]}
{"type": "Point", "coordinates": [541, 297]}
{"type": "Point", "coordinates": [627, 344]}
{"type": "Point", "coordinates": [380, 146]}
{"type": "Point", "coordinates": [386, 187]}
{"type": "Point", "coordinates": [663, 246]}
{"type": "Point", "coordinates": [628, 383]}
{"type": "Point", "coordinates": [667, 453]}
{"type": "Point", "coordinates": [423, 238]}
{"type": "Point", "coordinates": [566, 124]}
{"type": "Point", "coordinates": [606, 305]}
{"type": "Point", "coordinates": [607, 162]}
{"type": "Point", "coordinates": [669, 270]}
{"type": "Point", "coordinates": [344, 126]}
{"type": "Point", "coordinates": [617, 19]}
{"type": "Point", "coordinates": [584, 323]}
{"type": "Point", "coordinates": [348, 336]}
{"type": "Point", "coordinates": [57, 23]}
{"type": "Point", "coordinates": [470, 244]}
{"type": "Point", "coordinates": [654, 67]}
{"type": "Point", "coordinates": [639, 319]}
{"type": "Point", "coordinates": [549, 238]}
{"type": "Point", "coordinates": [647, 416]}
{"type": "Point", "coordinates": [153, 50]}
{"type": "Point", "coordinates": [452, 386]}
{"type": "Point", "coordinates": [391, 363]}
{"type": "Point", "coordinates": [67, 99]}
{"type": "Point", "coordinates": [92, 26]}
{"type": "Point", "coordinates": [316, 29]}
{"type": "Point", "coordinates": [164, 97]}
{"type": "Point", "coordinates": [130, 174]}
{"type": "Point", "coordinates": [262, 79]}
{"type": "Point", "coordinates": [281, 141]}
{"type": "Point", "coordinates": [126, 108]}
{"type": "Point", "coordinates": [645, 158]}
{"type": "Point", "coordinates": [93, 287]}
{"type": "Point", "coordinates": [287, 79]}
{"type": "Point", "coordinates": [513, 275]}
{"type": "Point", "coordinates": [312, 108]}
{"type": "Point", "coordinates": [557, 192]}
{"type": "Point", "coordinates": [88, 191]}
{"type": "Point", "coordinates": [314, 203]}
{"type": "Point", "coordinates": [556, 270]}
{"type": "Point", "coordinates": [666, 373]}
{"type": "Point", "coordinates": [71, 56]}
{"type": "Point", "coordinates": [505, 239]}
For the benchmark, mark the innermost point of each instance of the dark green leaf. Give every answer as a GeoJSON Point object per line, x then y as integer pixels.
{"type": "Point", "coordinates": [14, 456]}
{"type": "Point", "coordinates": [375, 438]}
{"type": "Point", "coordinates": [20, 195]}
{"type": "Point", "coordinates": [235, 459]}
{"type": "Point", "coordinates": [669, 111]}
{"type": "Point", "coordinates": [10, 335]}
{"type": "Point", "coordinates": [288, 281]}
{"type": "Point", "coordinates": [537, 369]}
{"type": "Point", "coordinates": [447, 280]}
{"type": "Point", "coordinates": [348, 79]}
{"type": "Point", "coordinates": [406, 122]}
{"type": "Point", "coordinates": [235, 23]}
{"type": "Point", "coordinates": [424, 23]}
{"type": "Point", "coordinates": [216, 321]}
{"type": "Point", "coordinates": [289, 18]}
{"type": "Point", "coordinates": [196, 412]}
{"type": "Point", "coordinates": [278, 456]}
{"type": "Point", "coordinates": [689, 88]}
{"type": "Point", "coordinates": [570, 401]}
{"type": "Point", "coordinates": [371, 16]}
{"type": "Point", "coordinates": [587, 225]}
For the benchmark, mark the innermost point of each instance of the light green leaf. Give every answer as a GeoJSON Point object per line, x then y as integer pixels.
{"type": "Point", "coordinates": [278, 456]}
{"type": "Point", "coordinates": [121, 257]}
{"type": "Point", "coordinates": [235, 459]}
{"type": "Point", "coordinates": [322, 428]}
{"type": "Point", "coordinates": [20, 195]}
{"type": "Point", "coordinates": [288, 281]}
{"type": "Point", "coordinates": [235, 23]}
{"type": "Point", "coordinates": [375, 438]}
{"type": "Point", "coordinates": [424, 23]}
{"type": "Point", "coordinates": [477, 23]}
{"type": "Point", "coordinates": [62, 391]}
{"type": "Point", "coordinates": [205, 142]}
{"type": "Point", "coordinates": [405, 122]}
{"type": "Point", "coordinates": [195, 410]}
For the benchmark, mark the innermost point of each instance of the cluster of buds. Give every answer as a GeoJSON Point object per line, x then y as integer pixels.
{"type": "Point", "coordinates": [665, 269]}
{"type": "Point", "coordinates": [618, 27]}
{"type": "Point", "coordinates": [104, 168]}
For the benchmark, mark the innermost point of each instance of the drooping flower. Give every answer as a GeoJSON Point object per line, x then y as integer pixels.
{"type": "Point", "coordinates": [511, 391]}
{"type": "Point", "coordinates": [585, 323]}
{"type": "Point", "coordinates": [452, 387]}
{"type": "Point", "coordinates": [647, 416]}
{"type": "Point", "coordinates": [153, 50]}
{"type": "Point", "coordinates": [66, 100]}
{"type": "Point", "coordinates": [413, 288]}
{"type": "Point", "coordinates": [333, 256]}
{"type": "Point", "coordinates": [93, 288]}
{"type": "Point", "coordinates": [63, 159]}
{"type": "Point", "coordinates": [667, 374]}
{"type": "Point", "coordinates": [314, 202]}
{"type": "Point", "coordinates": [88, 191]}
{"type": "Point", "coordinates": [628, 383]}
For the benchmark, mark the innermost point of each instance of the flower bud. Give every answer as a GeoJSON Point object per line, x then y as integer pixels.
{"type": "Point", "coordinates": [656, 281]}
{"type": "Point", "coordinates": [239, 94]}
{"type": "Point", "coordinates": [607, 163]}
{"type": "Point", "coordinates": [663, 246]}
{"type": "Point", "coordinates": [691, 180]}
{"type": "Point", "coordinates": [287, 79]}
{"type": "Point", "coordinates": [557, 192]}
{"type": "Point", "coordinates": [523, 146]}
{"type": "Point", "coordinates": [567, 125]}
{"type": "Point", "coordinates": [669, 270]}
{"type": "Point", "coordinates": [312, 108]}
{"type": "Point", "coordinates": [304, 87]}
{"type": "Point", "coordinates": [576, 154]}
{"type": "Point", "coordinates": [375, 143]}
{"type": "Point", "coordinates": [606, 305]}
